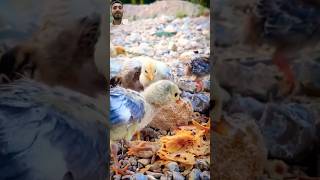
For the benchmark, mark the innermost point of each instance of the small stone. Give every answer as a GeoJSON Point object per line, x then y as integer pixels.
{"type": "Point", "coordinates": [165, 177]}
{"type": "Point", "coordinates": [205, 175]}
{"type": "Point", "coordinates": [172, 46]}
{"type": "Point", "coordinates": [173, 166]}
{"type": "Point", "coordinates": [194, 174]}
{"type": "Point", "coordinates": [116, 177]}
{"type": "Point", "coordinates": [155, 166]}
{"type": "Point", "coordinates": [133, 161]}
{"type": "Point", "coordinates": [199, 101]}
{"type": "Point", "coordinates": [163, 132]}
{"type": "Point", "coordinates": [126, 177]}
{"type": "Point", "coordinates": [140, 176]}
{"type": "Point", "coordinates": [177, 176]}
{"type": "Point", "coordinates": [170, 28]}
{"type": "Point", "coordinates": [144, 161]}
{"type": "Point", "coordinates": [202, 164]}
{"type": "Point", "coordinates": [156, 175]}
{"type": "Point", "coordinates": [140, 165]}
{"type": "Point", "coordinates": [151, 177]}
{"type": "Point", "coordinates": [125, 162]}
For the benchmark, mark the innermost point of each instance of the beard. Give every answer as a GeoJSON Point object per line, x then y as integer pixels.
{"type": "Point", "coordinates": [117, 16]}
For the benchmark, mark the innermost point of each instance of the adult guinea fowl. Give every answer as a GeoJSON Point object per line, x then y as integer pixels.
{"type": "Point", "coordinates": [55, 129]}
{"type": "Point", "coordinates": [198, 67]}
{"type": "Point", "coordinates": [287, 25]}
{"type": "Point", "coordinates": [131, 111]}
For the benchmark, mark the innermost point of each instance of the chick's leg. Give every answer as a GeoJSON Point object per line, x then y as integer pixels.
{"type": "Point", "coordinates": [116, 167]}
{"type": "Point", "coordinates": [281, 61]}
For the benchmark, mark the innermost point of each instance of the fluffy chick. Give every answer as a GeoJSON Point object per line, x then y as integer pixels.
{"type": "Point", "coordinates": [152, 71]}
{"type": "Point", "coordinates": [131, 111]}
{"type": "Point", "coordinates": [116, 50]}
{"type": "Point", "coordinates": [289, 26]}
{"type": "Point", "coordinates": [198, 67]}
{"type": "Point", "coordinates": [129, 75]}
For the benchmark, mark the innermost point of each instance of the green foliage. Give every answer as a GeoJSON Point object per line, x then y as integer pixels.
{"type": "Point", "coordinates": [181, 14]}
{"type": "Point", "coordinates": [202, 10]}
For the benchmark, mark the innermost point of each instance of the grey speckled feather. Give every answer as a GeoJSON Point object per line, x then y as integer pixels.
{"type": "Point", "coordinates": [200, 66]}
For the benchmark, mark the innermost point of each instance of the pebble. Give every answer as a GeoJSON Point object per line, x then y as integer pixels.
{"type": "Point", "coordinates": [125, 162]}
{"type": "Point", "coordinates": [126, 177]}
{"type": "Point", "coordinates": [151, 177]}
{"type": "Point", "coordinates": [116, 177]}
{"type": "Point", "coordinates": [173, 166]}
{"type": "Point", "coordinates": [163, 132]}
{"type": "Point", "coordinates": [177, 176]}
{"type": "Point", "coordinates": [205, 175]}
{"type": "Point", "coordinates": [165, 177]}
{"type": "Point", "coordinates": [140, 165]}
{"type": "Point", "coordinates": [140, 176]}
{"type": "Point", "coordinates": [144, 161]}
{"type": "Point", "coordinates": [154, 167]}
{"type": "Point", "coordinates": [202, 164]}
{"type": "Point", "coordinates": [194, 174]}
{"type": "Point", "coordinates": [156, 175]}
{"type": "Point", "coordinates": [133, 161]}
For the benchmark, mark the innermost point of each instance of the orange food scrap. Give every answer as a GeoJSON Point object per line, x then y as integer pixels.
{"type": "Point", "coordinates": [188, 143]}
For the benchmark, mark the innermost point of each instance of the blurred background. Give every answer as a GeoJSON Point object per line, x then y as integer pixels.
{"type": "Point", "coordinates": [201, 2]}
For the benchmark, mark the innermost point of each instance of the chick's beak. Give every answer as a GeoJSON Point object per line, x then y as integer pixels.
{"type": "Point", "coordinates": [179, 101]}
{"type": "Point", "coordinates": [150, 77]}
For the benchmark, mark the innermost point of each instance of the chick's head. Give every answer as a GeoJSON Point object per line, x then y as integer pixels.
{"type": "Point", "coordinates": [162, 92]}
{"type": "Point", "coordinates": [149, 70]}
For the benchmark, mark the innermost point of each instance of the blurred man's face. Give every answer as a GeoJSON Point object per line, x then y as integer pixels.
{"type": "Point", "coordinates": [117, 11]}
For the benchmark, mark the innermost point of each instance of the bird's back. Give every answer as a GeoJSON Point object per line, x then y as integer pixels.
{"type": "Point", "coordinates": [42, 140]}
{"type": "Point", "coordinates": [127, 109]}
{"type": "Point", "coordinates": [288, 21]}
{"type": "Point", "coordinates": [200, 66]}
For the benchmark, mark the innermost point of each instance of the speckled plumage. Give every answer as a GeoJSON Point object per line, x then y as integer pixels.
{"type": "Point", "coordinates": [288, 21]}
{"type": "Point", "coordinates": [125, 106]}
{"type": "Point", "coordinates": [200, 66]}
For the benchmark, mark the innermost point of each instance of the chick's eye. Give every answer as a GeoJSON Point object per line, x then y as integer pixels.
{"type": "Point", "coordinates": [176, 94]}
{"type": "Point", "coordinates": [146, 71]}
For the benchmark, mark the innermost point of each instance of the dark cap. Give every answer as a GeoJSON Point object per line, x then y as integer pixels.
{"type": "Point", "coordinates": [116, 1]}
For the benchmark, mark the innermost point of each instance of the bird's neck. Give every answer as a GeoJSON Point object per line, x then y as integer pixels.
{"type": "Point", "coordinates": [150, 113]}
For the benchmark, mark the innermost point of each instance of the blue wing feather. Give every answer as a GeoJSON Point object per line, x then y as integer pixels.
{"type": "Point", "coordinates": [125, 106]}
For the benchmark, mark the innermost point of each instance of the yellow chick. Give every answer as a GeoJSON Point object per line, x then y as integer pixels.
{"type": "Point", "coordinates": [152, 71]}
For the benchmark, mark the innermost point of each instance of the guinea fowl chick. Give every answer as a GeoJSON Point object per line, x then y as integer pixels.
{"type": "Point", "coordinates": [152, 71]}
{"type": "Point", "coordinates": [287, 25]}
{"type": "Point", "coordinates": [129, 75]}
{"type": "Point", "coordinates": [198, 67]}
{"type": "Point", "coordinates": [131, 111]}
